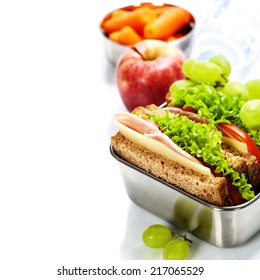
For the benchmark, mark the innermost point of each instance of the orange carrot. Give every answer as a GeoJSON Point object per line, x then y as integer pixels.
{"type": "Point", "coordinates": [160, 9]}
{"type": "Point", "coordinates": [174, 37]}
{"type": "Point", "coordinates": [114, 14]}
{"type": "Point", "coordinates": [126, 36]}
{"type": "Point", "coordinates": [171, 38]}
{"type": "Point", "coordinates": [167, 24]}
{"type": "Point", "coordinates": [114, 36]}
{"type": "Point", "coordinates": [119, 13]}
{"type": "Point", "coordinates": [137, 19]}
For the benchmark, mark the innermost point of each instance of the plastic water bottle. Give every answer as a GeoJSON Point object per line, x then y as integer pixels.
{"type": "Point", "coordinates": [231, 28]}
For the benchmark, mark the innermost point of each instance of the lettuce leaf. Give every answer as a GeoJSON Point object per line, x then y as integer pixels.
{"type": "Point", "coordinates": [202, 141]}
{"type": "Point", "coordinates": [216, 106]}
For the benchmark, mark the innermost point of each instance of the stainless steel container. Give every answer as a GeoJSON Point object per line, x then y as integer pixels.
{"type": "Point", "coordinates": [114, 50]}
{"type": "Point", "coordinates": [220, 226]}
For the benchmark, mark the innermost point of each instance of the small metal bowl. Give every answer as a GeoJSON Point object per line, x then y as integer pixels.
{"type": "Point", "coordinates": [114, 50]}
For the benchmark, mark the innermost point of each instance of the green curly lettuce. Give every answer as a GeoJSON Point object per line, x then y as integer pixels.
{"type": "Point", "coordinates": [216, 106]}
{"type": "Point", "coordinates": [202, 141]}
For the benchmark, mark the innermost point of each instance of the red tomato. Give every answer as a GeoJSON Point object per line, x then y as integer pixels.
{"type": "Point", "coordinates": [242, 136]}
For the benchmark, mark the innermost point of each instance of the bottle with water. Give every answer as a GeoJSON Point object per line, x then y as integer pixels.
{"type": "Point", "coordinates": [231, 28]}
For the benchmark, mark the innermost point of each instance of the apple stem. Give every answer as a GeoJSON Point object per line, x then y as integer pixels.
{"type": "Point", "coordinates": [136, 50]}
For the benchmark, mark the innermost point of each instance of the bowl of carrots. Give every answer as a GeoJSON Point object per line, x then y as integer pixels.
{"type": "Point", "coordinates": [129, 25]}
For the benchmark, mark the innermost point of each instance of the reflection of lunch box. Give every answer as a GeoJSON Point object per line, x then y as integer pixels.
{"type": "Point", "coordinates": [221, 226]}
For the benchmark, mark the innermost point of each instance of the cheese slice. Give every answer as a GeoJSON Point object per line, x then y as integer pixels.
{"type": "Point", "coordinates": [240, 146]}
{"type": "Point", "coordinates": [161, 149]}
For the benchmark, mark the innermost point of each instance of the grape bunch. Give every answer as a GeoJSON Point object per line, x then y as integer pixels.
{"type": "Point", "coordinates": [175, 246]}
{"type": "Point", "coordinates": [215, 74]}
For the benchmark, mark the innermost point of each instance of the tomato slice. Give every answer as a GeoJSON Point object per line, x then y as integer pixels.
{"type": "Point", "coordinates": [242, 136]}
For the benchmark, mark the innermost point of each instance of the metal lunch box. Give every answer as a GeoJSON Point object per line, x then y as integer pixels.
{"type": "Point", "coordinates": [227, 226]}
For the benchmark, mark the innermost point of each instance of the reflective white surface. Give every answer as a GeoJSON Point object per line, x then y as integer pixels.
{"type": "Point", "coordinates": [62, 198]}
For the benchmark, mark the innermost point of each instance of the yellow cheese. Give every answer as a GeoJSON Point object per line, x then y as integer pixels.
{"type": "Point", "coordinates": [161, 149]}
{"type": "Point", "coordinates": [240, 146]}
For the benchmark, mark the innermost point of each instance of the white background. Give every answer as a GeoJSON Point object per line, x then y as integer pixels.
{"type": "Point", "coordinates": [62, 198]}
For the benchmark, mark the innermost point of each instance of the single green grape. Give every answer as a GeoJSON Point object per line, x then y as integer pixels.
{"type": "Point", "coordinates": [157, 236]}
{"type": "Point", "coordinates": [182, 84]}
{"type": "Point", "coordinates": [221, 61]}
{"type": "Point", "coordinates": [176, 249]}
{"type": "Point", "coordinates": [253, 87]}
{"type": "Point", "coordinates": [236, 89]}
{"type": "Point", "coordinates": [220, 88]}
{"type": "Point", "coordinates": [205, 72]}
{"type": "Point", "coordinates": [221, 81]}
{"type": "Point", "coordinates": [250, 113]}
{"type": "Point", "coordinates": [186, 67]}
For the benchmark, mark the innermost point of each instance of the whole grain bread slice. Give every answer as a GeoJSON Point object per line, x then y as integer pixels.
{"type": "Point", "coordinates": [205, 187]}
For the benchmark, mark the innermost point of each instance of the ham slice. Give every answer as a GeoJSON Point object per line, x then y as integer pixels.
{"type": "Point", "coordinates": [192, 116]}
{"type": "Point", "coordinates": [151, 130]}
{"type": "Point", "coordinates": [136, 123]}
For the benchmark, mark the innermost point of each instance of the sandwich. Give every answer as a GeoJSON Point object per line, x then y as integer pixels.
{"type": "Point", "coordinates": [187, 151]}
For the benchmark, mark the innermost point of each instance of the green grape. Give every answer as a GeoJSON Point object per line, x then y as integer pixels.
{"type": "Point", "coordinates": [157, 236]}
{"type": "Point", "coordinates": [186, 66]}
{"type": "Point", "coordinates": [250, 113]}
{"type": "Point", "coordinates": [221, 81]}
{"type": "Point", "coordinates": [176, 249]}
{"type": "Point", "coordinates": [182, 84]}
{"type": "Point", "coordinates": [253, 87]}
{"type": "Point", "coordinates": [220, 88]}
{"type": "Point", "coordinates": [205, 72]}
{"type": "Point", "coordinates": [236, 89]}
{"type": "Point", "coordinates": [221, 61]}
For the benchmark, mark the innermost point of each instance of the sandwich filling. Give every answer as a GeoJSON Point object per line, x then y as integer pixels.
{"type": "Point", "coordinates": [199, 143]}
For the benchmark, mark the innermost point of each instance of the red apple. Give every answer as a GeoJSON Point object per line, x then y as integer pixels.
{"type": "Point", "coordinates": [145, 72]}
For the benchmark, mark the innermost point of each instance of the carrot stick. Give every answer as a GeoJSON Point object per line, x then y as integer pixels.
{"type": "Point", "coordinates": [137, 19]}
{"type": "Point", "coordinates": [114, 36]}
{"type": "Point", "coordinates": [167, 24]}
{"type": "Point", "coordinates": [174, 37]}
{"type": "Point", "coordinates": [119, 13]}
{"type": "Point", "coordinates": [160, 10]}
{"type": "Point", "coordinates": [126, 36]}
